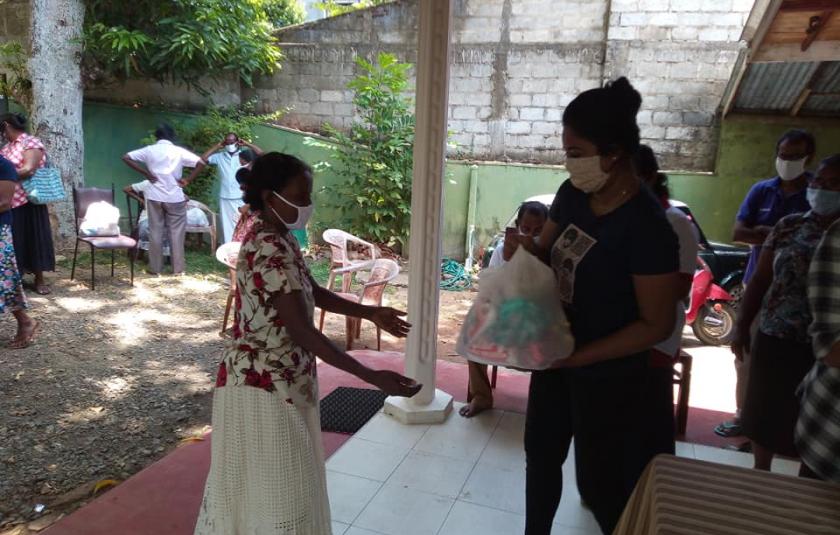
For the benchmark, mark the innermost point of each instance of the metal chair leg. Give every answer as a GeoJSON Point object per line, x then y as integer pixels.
{"type": "Point", "coordinates": [494, 373]}
{"type": "Point", "coordinates": [131, 265]}
{"type": "Point", "coordinates": [92, 267]}
{"type": "Point", "coordinates": [113, 252]}
{"type": "Point", "coordinates": [321, 323]}
{"type": "Point", "coordinates": [75, 253]}
{"type": "Point", "coordinates": [378, 338]}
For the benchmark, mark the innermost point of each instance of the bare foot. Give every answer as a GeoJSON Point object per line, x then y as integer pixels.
{"type": "Point", "coordinates": [25, 335]}
{"type": "Point", "coordinates": [473, 408]}
{"type": "Point", "coordinates": [42, 289]}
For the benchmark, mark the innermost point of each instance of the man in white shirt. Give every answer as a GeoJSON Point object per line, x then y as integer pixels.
{"type": "Point", "coordinates": [163, 164]}
{"type": "Point", "coordinates": [226, 155]}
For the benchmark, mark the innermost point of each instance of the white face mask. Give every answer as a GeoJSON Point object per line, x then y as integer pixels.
{"type": "Point", "coordinates": [790, 169]}
{"type": "Point", "coordinates": [232, 147]}
{"type": "Point", "coordinates": [586, 173]}
{"type": "Point", "coordinates": [304, 213]}
{"type": "Point", "coordinates": [824, 202]}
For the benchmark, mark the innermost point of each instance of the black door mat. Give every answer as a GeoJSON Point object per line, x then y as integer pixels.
{"type": "Point", "coordinates": [346, 410]}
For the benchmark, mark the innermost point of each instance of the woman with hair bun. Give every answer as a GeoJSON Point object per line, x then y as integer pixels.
{"type": "Point", "coordinates": [616, 260]}
{"type": "Point", "coordinates": [267, 465]}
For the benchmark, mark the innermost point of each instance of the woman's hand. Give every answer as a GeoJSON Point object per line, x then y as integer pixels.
{"type": "Point", "coordinates": [393, 383]}
{"type": "Point", "coordinates": [741, 342]}
{"type": "Point", "coordinates": [389, 320]}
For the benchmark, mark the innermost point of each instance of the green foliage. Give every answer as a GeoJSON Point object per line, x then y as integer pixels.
{"type": "Point", "coordinates": [207, 129]}
{"type": "Point", "coordinates": [375, 156]}
{"type": "Point", "coordinates": [331, 8]}
{"type": "Point", "coordinates": [17, 84]}
{"type": "Point", "coordinates": [182, 40]}
{"type": "Point", "coordinates": [284, 12]}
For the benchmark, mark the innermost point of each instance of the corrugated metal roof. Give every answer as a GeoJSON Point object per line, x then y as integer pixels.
{"type": "Point", "coordinates": [773, 86]}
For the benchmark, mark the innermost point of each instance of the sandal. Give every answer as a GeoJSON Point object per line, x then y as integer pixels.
{"type": "Point", "coordinates": [43, 290]}
{"type": "Point", "coordinates": [27, 340]}
{"type": "Point", "coordinates": [729, 429]}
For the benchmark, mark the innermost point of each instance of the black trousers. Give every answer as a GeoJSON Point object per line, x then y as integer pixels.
{"type": "Point", "coordinates": [606, 408]}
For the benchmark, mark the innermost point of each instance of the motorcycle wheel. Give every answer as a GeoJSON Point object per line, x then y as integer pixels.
{"type": "Point", "coordinates": [715, 327]}
{"type": "Point", "coordinates": [737, 293]}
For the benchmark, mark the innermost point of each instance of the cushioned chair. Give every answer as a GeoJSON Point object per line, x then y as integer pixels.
{"type": "Point", "coordinates": [382, 272]}
{"type": "Point", "coordinates": [82, 199]}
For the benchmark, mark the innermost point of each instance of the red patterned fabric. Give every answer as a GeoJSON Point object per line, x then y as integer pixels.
{"type": "Point", "coordinates": [14, 152]}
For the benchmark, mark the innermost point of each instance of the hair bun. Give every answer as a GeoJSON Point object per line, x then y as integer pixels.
{"type": "Point", "coordinates": [625, 96]}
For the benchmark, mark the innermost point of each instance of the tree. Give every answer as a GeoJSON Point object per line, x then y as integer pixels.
{"type": "Point", "coordinates": [284, 12]}
{"type": "Point", "coordinates": [56, 112]}
{"type": "Point", "coordinates": [183, 40]}
{"type": "Point", "coordinates": [375, 156]}
{"type": "Point", "coordinates": [331, 8]}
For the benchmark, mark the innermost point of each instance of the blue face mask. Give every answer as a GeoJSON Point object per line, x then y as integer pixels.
{"type": "Point", "coordinates": [824, 201]}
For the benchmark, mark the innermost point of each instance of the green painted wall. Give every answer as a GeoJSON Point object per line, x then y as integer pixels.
{"type": "Point", "coordinates": [746, 155]}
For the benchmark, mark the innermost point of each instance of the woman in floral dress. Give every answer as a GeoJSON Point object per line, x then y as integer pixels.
{"type": "Point", "coordinates": [30, 222]}
{"type": "Point", "coordinates": [267, 469]}
{"type": "Point", "coordinates": [12, 298]}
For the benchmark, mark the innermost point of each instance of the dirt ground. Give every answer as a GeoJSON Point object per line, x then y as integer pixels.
{"type": "Point", "coordinates": [119, 376]}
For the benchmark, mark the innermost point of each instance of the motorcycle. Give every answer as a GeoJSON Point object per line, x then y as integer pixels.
{"type": "Point", "coordinates": [710, 312]}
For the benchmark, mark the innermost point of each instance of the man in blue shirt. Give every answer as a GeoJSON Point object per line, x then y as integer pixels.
{"type": "Point", "coordinates": [226, 157]}
{"type": "Point", "coordinates": [766, 203]}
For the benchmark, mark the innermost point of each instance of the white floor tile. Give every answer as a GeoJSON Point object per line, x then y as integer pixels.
{"type": "Point", "coordinates": [685, 449]}
{"type": "Point", "coordinates": [396, 510]}
{"type": "Point", "coordinates": [359, 531]}
{"type": "Point", "coordinates": [431, 473]}
{"type": "Point", "coordinates": [496, 487]}
{"type": "Point", "coordinates": [363, 458]}
{"type": "Point", "coordinates": [506, 448]}
{"type": "Point", "coordinates": [349, 495]}
{"type": "Point", "coordinates": [386, 430]}
{"type": "Point", "coordinates": [722, 456]}
{"type": "Point", "coordinates": [460, 438]}
{"type": "Point", "coordinates": [785, 466]}
{"type": "Point", "coordinates": [559, 529]}
{"type": "Point", "coordinates": [338, 528]}
{"type": "Point", "coordinates": [572, 514]}
{"type": "Point", "coordinates": [470, 519]}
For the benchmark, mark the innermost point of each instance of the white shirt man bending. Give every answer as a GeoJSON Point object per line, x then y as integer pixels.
{"type": "Point", "coordinates": [162, 164]}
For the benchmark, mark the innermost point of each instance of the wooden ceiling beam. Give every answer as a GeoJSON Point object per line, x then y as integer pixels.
{"type": "Point", "coordinates": [808, 90]}
{"type": "Point", "coordinates": [791, 52]}
{"type": "Point", "coordinates": [816, 25]}
{"type": "Point", "coordinates": [793, 6]}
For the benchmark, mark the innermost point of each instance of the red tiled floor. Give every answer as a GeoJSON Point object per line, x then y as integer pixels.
{"type": "Point", "coordinates": [164, 498]}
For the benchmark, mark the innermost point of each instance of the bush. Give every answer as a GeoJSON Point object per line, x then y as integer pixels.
{"type": "Point", "coordinates": [201, 133]}
{"type": "Point", "coordinates": [284, 12]}
{"type": "Point", "coordinates": [375, 157]}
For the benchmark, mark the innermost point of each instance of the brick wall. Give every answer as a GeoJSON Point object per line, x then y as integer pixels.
{"type": "Point", "coordinates": [680, 55]}
{"type": "Point", "coordinates": [518, 63]}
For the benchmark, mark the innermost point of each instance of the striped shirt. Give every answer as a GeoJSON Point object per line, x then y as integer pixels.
{"type": "Point", "coordinates": [818, 428]}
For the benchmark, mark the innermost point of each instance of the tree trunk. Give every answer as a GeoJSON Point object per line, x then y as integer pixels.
{"type": "Point", "coordinates": [57, 93]}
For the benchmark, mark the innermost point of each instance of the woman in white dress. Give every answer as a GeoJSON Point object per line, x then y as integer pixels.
{"type": "Point", "coordinates": [267, 469]}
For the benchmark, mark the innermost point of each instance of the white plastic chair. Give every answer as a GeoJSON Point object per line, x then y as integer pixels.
{"type": "Point", "coordinates": [228, 254]}
{"type": "Point", "coordinates": [340, 260]}
{"type": "Point", "coordinates": [382, 272]}
{"type": "Point", "coordinates": [210, 228]}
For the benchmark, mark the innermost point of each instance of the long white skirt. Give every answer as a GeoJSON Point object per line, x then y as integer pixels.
{"type": "Point", "coordinates": [267, 468]}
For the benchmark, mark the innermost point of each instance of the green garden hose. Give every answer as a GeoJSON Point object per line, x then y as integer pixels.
{"type": "Point", "coordinates": [453, 276]}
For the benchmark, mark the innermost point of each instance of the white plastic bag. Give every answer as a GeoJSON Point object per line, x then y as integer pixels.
{"type": "Point", "coordinates": [101, 219]}
{"type": "Point", "coordinates": [518, 319]}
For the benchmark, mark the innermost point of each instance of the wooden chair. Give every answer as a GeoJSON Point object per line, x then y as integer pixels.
{"type": "Point", "coordinates": [82, 199]}
{"type": "Point", "coordinates": [340, 260]}
{"type": "Point", "coordinates": [210, 228]}
{"type": "Point", "coordinates": [227, 254]}
{"type": "Point", "coordinates": [382, 272]}
{"type": "Point", "coordinates": [682, 378]}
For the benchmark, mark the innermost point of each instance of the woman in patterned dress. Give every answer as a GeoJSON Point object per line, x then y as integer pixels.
{"type": "Point", "coordinates": [782, 353]}
{"type": "Point", "coordinates": [267, 469]}
{"type": "Point", "coordinates": [11, 287]}
{"type": "Point", "coordinates": [30, 222]}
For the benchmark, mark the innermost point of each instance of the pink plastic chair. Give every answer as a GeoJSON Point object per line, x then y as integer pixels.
{"type": "Point", "coordinates": [382, 272]}
{"type": "Point", "coordinates": [340, 260]}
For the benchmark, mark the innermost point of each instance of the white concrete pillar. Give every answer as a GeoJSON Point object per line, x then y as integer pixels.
{"type": "Point", "coordinates": [430, 405]}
